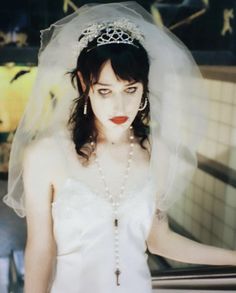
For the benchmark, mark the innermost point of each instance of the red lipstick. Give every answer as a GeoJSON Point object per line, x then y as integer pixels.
{"type": "Point", "coordinates": [119, 119]}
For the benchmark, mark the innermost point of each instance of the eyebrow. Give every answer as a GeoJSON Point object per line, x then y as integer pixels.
{"type": "Point", "coordinates": [106, 84]}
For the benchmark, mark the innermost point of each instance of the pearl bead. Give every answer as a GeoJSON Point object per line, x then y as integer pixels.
{"type": "Point", "coordinates": [113, 200]}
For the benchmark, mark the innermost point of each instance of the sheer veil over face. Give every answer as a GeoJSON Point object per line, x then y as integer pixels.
{"type": "Point", "coordinates": [178, 101]}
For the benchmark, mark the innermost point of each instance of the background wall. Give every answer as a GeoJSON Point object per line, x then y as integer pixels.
{"type": "Point", "coordinates": [208, 209]}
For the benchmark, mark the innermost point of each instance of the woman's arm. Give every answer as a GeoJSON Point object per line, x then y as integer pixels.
{"type": "Point", "coordinates": [165, 242]}
{"type": "Point", "coordinates": [40, 247]}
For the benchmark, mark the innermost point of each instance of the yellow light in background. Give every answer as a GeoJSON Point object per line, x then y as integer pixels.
{"type": "Point", "coordinates": [16, 83]}
{"type": "Point", "coordinates": [14, 94]}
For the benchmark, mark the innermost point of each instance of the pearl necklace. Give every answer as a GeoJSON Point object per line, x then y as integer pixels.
{"type": "Point", "coordinates": [115, 203]}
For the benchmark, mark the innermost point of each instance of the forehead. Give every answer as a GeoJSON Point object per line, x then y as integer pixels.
{"type": "Point", "coordinates": [108, 76]}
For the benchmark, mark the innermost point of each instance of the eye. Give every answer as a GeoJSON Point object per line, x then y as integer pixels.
{"type": "Point", "coordinates": [104, 92]}
{"type": "Point", "coordinates": [131, 90]}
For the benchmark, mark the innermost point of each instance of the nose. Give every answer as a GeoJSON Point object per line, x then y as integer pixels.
{"type": "Point", "coordinates": [119, 104]}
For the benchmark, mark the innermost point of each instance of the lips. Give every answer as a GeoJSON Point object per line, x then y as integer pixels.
{"type": "Point", "coordinates": [119, 119]}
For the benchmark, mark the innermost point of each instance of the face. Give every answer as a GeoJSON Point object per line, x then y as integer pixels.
{"type": "Point", "coordinates": [114, 102]}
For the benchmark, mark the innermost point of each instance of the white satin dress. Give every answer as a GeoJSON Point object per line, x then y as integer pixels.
{"type": "Point", "coordinates": [83, 229]}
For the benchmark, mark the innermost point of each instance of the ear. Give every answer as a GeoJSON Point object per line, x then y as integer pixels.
{"type": "Point", "coordinates": [81, 80]}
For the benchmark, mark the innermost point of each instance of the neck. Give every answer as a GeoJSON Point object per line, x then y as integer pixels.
{"type": "Point", "coordinates": [114, 137]}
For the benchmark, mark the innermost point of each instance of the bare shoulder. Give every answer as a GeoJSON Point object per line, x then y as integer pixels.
{"type": "Point", "coordinates": [42, 169]}
{"type": "Point", "coordinates": [45, 162]}
{"type": "Point", "coordinates": [42, 147]}
{"type": "Point", "coordinates": [49, 145]}
{"type": "Point", "coordinates": [43, 159]}
{"type": "Point", "coordinates": [45, 152]}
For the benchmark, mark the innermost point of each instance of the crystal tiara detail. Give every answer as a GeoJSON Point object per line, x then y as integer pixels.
{"type": "Point", "coordinates": [120, 31]}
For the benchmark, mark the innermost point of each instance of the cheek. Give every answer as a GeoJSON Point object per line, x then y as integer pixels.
{"type": "Point", "coordinates": [99, 108]}
{"type": "Point", "coordinates": [96, 106]}
{"type": "Point", "coordinates": [134, 104]}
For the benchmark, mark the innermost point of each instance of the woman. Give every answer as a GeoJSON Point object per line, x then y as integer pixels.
{"type": "Point", "coordinates": [98, 174]}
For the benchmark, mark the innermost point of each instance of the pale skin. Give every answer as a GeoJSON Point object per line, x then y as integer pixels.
{"type": "Point", "coordinates": [44, 177]}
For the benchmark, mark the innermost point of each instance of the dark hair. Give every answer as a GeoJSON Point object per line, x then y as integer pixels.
{"type": "Point", "coordinates": [129, 63]}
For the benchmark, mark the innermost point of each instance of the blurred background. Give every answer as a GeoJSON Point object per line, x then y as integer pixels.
{"type": "Point", "coordinates": [207, 212]}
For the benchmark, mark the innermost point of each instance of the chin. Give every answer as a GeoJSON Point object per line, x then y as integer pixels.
{"type": "Point", "coordinates": [123, 126]}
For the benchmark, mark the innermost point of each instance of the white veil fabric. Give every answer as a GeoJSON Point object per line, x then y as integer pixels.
{"type": "Point", "coordinates": [178, 100]}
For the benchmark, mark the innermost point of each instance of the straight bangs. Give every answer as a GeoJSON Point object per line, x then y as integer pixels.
{"type": "Point", "coordinates": [128, 62]}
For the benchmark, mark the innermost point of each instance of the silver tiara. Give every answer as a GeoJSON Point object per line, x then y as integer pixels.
{"type": "Point", "coordinates": [120, 31]}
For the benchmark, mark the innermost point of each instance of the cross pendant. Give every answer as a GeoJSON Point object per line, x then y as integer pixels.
{"type": "Point", "coordinates": [117, 272]}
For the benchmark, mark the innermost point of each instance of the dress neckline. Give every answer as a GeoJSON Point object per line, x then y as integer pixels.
{"type": "Point", "coordinates": [72, 180]}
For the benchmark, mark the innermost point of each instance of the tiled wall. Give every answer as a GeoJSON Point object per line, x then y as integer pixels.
{"type": "Point", "coordinates": [220, 143]}
{"type": "Point", "coordinates": [208, 209]}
